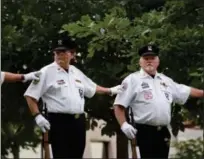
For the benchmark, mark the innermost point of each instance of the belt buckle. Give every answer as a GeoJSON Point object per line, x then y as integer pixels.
{"type": "Point", "coordinates": [76, 116]}
{"type": "Point", "coordinates": [159, 128]}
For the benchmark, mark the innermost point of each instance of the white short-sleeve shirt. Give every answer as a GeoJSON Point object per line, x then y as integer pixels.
{"type": "Point", "coordinates": [61, 91]}
{"type": "Point", "coordinates": [2, 77]}
{"type": "Point", "coordinates": [151, 98]}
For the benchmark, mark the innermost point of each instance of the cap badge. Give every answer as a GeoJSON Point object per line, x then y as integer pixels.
{"type": "Point", "coordinates": [149, 48]}
{"type": "Point", "coordinates": [59, 42]}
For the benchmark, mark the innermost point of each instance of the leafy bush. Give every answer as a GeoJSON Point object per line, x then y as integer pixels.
{"type": "Point", "coordinates": [191, 149]}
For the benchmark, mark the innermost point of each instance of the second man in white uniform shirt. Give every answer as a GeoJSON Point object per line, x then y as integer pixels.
{"type": "Point", "coordinates": [151, 98]}
{"type": "Point", "coordinates": [149, 95]}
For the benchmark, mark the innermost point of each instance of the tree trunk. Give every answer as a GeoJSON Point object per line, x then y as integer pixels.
{"type": "Point", "coordinates": [122, 145]}
{"type": "Point", "coordinates": [15, 150]}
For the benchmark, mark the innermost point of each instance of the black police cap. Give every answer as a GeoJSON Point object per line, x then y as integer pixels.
{"type": "Point", "coordinates": [146, 50]}
{"type": "Point", "coordinates": [63, 43]}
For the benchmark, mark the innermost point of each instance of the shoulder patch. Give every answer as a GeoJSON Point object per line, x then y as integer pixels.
{"type": "Point", "coordinates": [37, 74]}
{"type": "Point", "coordinates": [35, 82]}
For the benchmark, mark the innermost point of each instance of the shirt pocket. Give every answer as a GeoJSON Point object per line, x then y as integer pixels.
{"type": "Point", "coordinates": [60, 90]}
{"type": "Point", "coordinates": [80, 89]}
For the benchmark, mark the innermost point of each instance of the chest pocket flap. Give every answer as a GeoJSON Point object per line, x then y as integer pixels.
{"type": "Point", "coordinates": [59, 88]}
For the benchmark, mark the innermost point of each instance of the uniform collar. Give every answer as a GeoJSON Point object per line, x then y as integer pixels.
{"type": "Point", "coordinates": [145, 74]}
{"type": "Point", "coordinates": [60, 69]}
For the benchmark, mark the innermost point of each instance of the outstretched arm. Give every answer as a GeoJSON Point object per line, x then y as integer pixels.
{"type": "Point", "coordinates": [110, 91]}
{"type": "Point", "coordinates": [198, 93]}
{"type": "Point", "coordinates": [15, 77]}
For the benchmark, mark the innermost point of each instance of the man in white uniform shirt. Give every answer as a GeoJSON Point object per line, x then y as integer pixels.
{"type": "Point", "coordinates": [150, 95]}
{"type": "Point", "coordinates": [15, 77]}
{"type": "Point", "coordinates": [63, 87]}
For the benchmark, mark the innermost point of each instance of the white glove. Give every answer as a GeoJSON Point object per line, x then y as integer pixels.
{"type": "Point", "coordinates": [32, 76]}
{"type": "Point", "coordinates": [115, 90]}
{"type": "Point", "coordinates": [42, 123]}
{"type": "Point", "coordinates": [128, 130]}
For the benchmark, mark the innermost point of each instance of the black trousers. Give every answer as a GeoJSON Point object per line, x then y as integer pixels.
{"type": "Point", "coordinates": [67, 135]}
{"type": "Point", "coordinates": [153, 141]}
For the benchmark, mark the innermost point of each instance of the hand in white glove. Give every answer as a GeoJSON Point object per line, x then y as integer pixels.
{"type": "Point", "coordinates": [128, 130]}
{"type": "Point", "coordinates": [32, 76]}
{"type": "Point", "coordinates": [115, 90]}
{"type": "Point", "coordinates": [42, 123]}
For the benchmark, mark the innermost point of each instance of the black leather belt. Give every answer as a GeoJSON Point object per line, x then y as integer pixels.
{"type": "Point", "coordinates": [158, 128]}
{"type": "Point", "coordinates": [76, 116]}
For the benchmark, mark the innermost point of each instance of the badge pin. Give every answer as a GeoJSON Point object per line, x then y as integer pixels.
{"type": "Point", "coordinates": [78, 81]}
{"type": "Point", "coordinates": [164, 84]}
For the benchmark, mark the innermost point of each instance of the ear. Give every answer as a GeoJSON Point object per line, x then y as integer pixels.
{"type": "Point", "coordinates": [140, 61]}
{"type": "Point", "coordinates": [158, 60]}
{"type": "Point", "coordinates": [71, 56]}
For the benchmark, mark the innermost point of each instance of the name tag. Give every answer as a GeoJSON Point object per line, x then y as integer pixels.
{"type": "Point", "coordinates": [60, 82]}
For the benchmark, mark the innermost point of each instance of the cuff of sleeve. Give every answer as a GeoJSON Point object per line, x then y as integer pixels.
{"type": "Point", "coordinates": [92, 92]}
{"type": "Point", "coordinates": [2, 77]}
{"type": "Point", "coordinates": [121, 104]}
{"type": "Point", "coordinates": [185, 98]}
{"type": "Point", "coordinates": [32, 96]}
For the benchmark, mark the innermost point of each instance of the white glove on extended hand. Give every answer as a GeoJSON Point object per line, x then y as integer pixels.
{"type": "Point", "coordinates": [32, 76]}
{"type": "Point", "coordinates": [42, 123]}
{"type": "Point", "coordinates": [128, 130]}
{"type": "Point", "coordinates": [115, 90]}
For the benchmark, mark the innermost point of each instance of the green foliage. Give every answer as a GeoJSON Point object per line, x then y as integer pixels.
{"type": "Point", "coordinates": [192, 149]}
